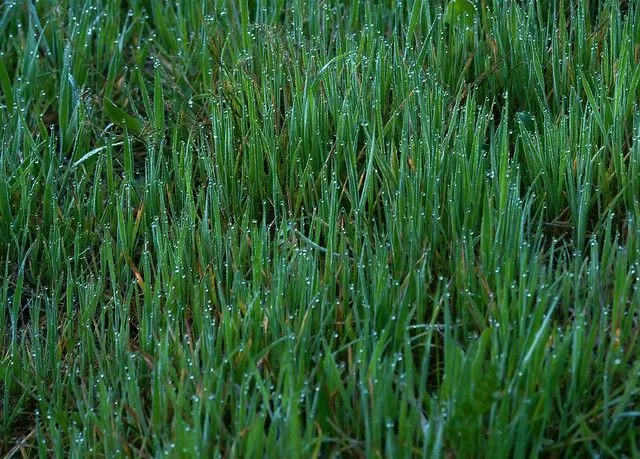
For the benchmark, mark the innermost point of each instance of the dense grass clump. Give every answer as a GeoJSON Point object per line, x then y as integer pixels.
{"type": "Point", "coordinates": [299, 228]}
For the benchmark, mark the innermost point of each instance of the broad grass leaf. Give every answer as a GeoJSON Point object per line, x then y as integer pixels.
{"type": "Point", "coordinates": [461, 12]}
{"type": "Point", "coordinates": [121, 118]}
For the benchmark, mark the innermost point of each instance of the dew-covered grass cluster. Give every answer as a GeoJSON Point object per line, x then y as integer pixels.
{"type": "Point", "coordinates": [320, 228]}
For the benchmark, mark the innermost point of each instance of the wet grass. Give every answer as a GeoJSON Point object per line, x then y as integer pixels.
{"type": "Point", "coordinates": [315, 229]}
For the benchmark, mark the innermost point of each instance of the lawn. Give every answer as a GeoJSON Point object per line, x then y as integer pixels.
{"type": "Point", "coordinates": [320, 228]}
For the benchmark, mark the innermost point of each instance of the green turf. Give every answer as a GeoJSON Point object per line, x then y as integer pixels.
{"type": "Point", "coordinates": [320, 228]}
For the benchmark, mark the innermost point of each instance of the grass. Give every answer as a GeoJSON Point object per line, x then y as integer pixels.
{"type": "Point", "coordinates": [316, 229]}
